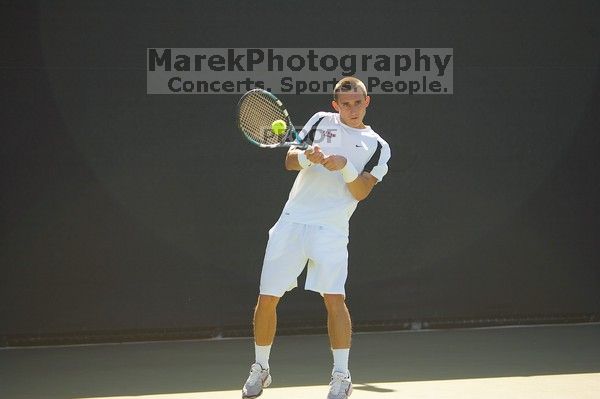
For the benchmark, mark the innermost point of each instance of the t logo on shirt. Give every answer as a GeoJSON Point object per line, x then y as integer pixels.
{"type": "Point", "coordinates": [328, 138]}
{"type": "Point", "coordinates": [329, 135]}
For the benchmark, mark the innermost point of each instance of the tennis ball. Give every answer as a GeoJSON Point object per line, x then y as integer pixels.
{"type": "Point", "coordinates": [279, 127]}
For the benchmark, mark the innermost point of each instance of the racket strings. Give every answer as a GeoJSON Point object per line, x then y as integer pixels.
{"type": "Point", "coordinates": [256, 114]}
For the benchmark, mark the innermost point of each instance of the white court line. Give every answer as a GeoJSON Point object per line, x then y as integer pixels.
{"type": "Point", "coordinates": [217, 339]}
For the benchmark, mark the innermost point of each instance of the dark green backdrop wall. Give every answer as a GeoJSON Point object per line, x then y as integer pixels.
{"type": "Point", "coordinates": [125, 211]}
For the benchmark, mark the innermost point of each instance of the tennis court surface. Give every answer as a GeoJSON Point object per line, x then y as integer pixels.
{"type": "Point", "coordinates": [560, 361]}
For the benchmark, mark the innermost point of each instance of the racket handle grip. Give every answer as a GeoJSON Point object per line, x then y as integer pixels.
{"type": "Point", "coordinates": [303, 147]}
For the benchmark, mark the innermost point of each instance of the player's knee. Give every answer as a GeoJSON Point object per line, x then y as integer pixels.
{"type": "Point", "coordinates": [334, 302]}
{"type": "Point", "coordinates": [267, 302]}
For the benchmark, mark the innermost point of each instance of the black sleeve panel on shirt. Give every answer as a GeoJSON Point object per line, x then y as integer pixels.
{"type": "Point", "coordinates": [374, 159]}
{"type": "Point", "coordinates": [310, 137]}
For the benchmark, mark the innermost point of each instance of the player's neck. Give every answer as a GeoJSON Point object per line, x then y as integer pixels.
{"type": "Point", "coordinates": [360, 125]}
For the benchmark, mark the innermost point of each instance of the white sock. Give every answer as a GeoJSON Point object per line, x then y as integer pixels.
{"type": "Point", "coordinates": [262, 355]}
{"type": "Point", "coordinates": [340, 360]}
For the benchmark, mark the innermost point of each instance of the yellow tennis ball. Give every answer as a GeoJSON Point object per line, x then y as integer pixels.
{"type": "Point", "coordinates": [279, 127]}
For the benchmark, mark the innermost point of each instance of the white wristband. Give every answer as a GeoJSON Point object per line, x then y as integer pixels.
{"type": "Point", "coordinates": [303, 161]}
{"type": "Point", "coordinates": [349, 172]}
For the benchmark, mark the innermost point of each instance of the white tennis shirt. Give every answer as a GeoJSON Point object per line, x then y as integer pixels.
{"type": "Point", "coordinates": [321, 197]}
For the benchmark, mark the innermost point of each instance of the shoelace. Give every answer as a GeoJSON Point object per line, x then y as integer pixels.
{"type": "Point", "coordinates": [336, 383]}
{"type": "Point", "coordinates": [254, 375]}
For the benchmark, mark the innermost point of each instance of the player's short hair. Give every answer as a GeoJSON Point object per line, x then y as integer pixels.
{"type": "Point", "coordinates": [349, 84]}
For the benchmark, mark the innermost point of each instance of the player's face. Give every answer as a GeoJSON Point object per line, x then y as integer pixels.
{"type": "Point", "coordinates": [352, 108]}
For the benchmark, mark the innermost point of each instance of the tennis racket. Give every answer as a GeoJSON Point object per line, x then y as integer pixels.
{"type": "Point", "coordinates": [256, 111]}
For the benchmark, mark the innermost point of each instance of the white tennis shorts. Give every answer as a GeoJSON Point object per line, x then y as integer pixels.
{"type": "Point", "coordinates": [291, 245]}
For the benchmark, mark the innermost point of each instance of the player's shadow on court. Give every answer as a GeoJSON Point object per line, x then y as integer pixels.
{"type": "Point", "coordinates": [371, 388]}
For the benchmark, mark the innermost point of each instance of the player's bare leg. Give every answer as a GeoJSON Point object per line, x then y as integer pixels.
{"type": "Point", "coordinates": [339, 326]}
{"type": "Point", "coordinates": [265, 319]}
{"type": "Point", "coordinates": [265, 325]}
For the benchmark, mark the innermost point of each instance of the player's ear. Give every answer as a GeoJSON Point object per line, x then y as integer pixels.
{"type": "Point", "coordinates": [335, 105]}
{"type": "Point", "coordinates": [367, 101]}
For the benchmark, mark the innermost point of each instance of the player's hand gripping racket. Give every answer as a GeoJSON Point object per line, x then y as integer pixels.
{"type": "Point", "coordinates": [256, 112]}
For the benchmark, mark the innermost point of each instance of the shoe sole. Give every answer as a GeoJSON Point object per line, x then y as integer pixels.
{"type": "Point", "coordinates": [266, 384]}
{"type": "Point", "coordinates": [349, 391]}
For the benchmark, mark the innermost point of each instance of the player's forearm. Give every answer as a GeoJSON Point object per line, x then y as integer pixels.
{"type": "Point", "coordinates": [362, 186]}
{"type": "Point", "coordinates": [291, 160]}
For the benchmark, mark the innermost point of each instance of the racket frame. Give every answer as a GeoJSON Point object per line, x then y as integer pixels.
{"type": "Point", "coordinates": [291, 130]}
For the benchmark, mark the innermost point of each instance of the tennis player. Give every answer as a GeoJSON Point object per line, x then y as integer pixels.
{"type": "Point", "coordinates": [347, 160]}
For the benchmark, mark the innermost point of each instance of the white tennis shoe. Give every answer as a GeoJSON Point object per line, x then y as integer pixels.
{"type": "Point", "coordinates": [340, 386]}
{"type": "Point", "coordinates": [258, 379]}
